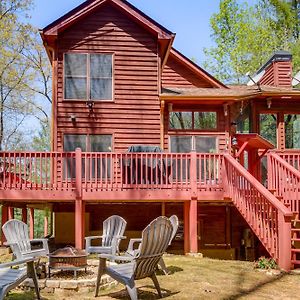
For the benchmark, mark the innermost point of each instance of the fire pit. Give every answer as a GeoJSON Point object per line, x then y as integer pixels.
{"type": "Point", "coordinates": [68, 258]}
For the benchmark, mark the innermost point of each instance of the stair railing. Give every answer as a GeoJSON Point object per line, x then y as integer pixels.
{"type": "Point", "coordinates": [284, 181]}
{"type": "Point", "coordinates": [269, 219]}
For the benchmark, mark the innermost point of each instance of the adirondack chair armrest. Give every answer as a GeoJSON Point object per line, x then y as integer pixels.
{"type": "Point", "coordinates": [16, 262]}
{"type": "Point", "coordinates": [130, 248]}
{"type": "Point", "coordinates": [115, 257]}
{"type": "Point", "coordinates": [89, 238]}
{"type": "Point", "coordinates": [9, 244]}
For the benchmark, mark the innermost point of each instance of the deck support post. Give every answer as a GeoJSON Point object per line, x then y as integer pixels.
{"type": "Point", "coordinates": [31, 223]}
{"type": "Point", "coordinates": [190, 227]}
{"type": "Point", "coordinates": [11, 213]}
{"type": "Point", "coordinates": [79, 203]}
{"type": "Point", "coordinates": [284, 235]}
{"type": "Point", "coordinates": [24, 215]}
{"type": "Point", "coordinates": [4, 219]}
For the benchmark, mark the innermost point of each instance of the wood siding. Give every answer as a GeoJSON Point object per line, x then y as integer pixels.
{"type": "Point", "coordinates": [134, 115]}
{"type": "Point", "coordinates": [278, 74]}
{"type": "Point", "coordinates": [176, 74]}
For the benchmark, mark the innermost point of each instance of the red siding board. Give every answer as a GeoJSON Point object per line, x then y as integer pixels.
{"type": "Point", "coordinates": [175, 74]}
{"type": "Point", "coordinates": [134, 115]}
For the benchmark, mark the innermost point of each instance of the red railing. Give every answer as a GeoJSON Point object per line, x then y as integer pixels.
{"type": "Point", "coordinates": [269, 219]}
{"type": "Point", "coordinates": [284, 180]}
{"type": "Point", "coordinates": [292, 157]}
{"type": "Point", "coordinates": [100, 171]}
{"type": "Point", "coordinates": [36, 170]}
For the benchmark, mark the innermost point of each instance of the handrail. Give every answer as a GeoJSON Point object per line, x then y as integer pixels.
{"type": "Point", "coordinates": [259, 187]}
{"type": "Point", "coordinates": [269, 219]}
{"type": "Point", "coordinates": [284, 180]}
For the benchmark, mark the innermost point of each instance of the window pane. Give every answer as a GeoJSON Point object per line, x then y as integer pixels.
{"type": "Point", "coordinates": [268, 127]}
{"type": "Point", "coordinates": [100, 143]}
{"type": "Point", "coordinates": [75, 64]}
{"type": "Point", "coordinates": [73, 141]}
{"type": "Point", "coordinates": [292, 131]}
{"type": "Point", "coordinates": [205, 120]}
{"type": "Point", "coordinates": [180, 120]}
{"type": "Point", "coordinates": [181, 144]}
{"type": "Point", "coordinates": [101, 65]}
{"type": "Point", "coordinates": [75, 88]}
{"type": "Point", "coordinates": [101, 89]}
{"type": "Point", "coordinates": [206, 144]}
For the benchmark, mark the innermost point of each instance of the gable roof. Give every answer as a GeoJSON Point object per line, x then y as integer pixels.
{"type": "Point", "coordinates": [87, 7]}
{"type": "Point", "coordinates": [197, 70]}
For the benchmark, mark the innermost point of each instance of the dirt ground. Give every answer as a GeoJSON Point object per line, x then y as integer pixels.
{"type": "Point", "coordinates": [199, 278]}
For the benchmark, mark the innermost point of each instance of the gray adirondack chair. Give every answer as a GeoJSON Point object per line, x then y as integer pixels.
{"type": "Point", "coordinates": [10, 277]}
{"type": "Point", "coordinates": [155, 239]}
{"type": "Point", "coordinates": [131, 251]}
{"type": "Point", "coordinates": [17, 237]}
{"type": "Point", "coordinates": [113, 230]}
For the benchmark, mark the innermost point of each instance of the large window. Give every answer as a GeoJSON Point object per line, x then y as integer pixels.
{"type": "Point", "coordinates": [292, 131]}
{"type": "Point", "coordinates": [185, 144]}
{"type": "Point", "coordinates": [205, 120]}
{"type": "Point", "coordinates": [91, 167]}
{"type": "Point", "coordinates": [88, 76]}
{"type": "Point", "coordinates": [268, 127]}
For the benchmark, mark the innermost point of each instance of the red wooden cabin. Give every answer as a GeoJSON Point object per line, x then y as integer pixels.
{"type": "Point", "coordinates": [118, 84]}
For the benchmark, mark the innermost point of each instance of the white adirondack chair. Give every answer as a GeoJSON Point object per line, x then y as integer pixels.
{"type": "Point", "coordinates": [131, 251]}
{"type": "Point", "coordinates": [113, 231]}
{"type": "Point", "coordinates": [155, 239]}
{"type": "Point", "coordinates": [17, 237]}
{"type": "Point", "coordinates": [12, 277]}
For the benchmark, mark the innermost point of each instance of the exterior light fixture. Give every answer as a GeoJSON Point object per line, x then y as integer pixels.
{"type": "Point", "coordinates": [170, 107]}
{"type": "Point", "coordinates": [269, 103]}
{"type": "Point", "coordinates": [90, 105]}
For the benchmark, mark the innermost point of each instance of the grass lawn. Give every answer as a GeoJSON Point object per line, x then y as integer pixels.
{"type": "Point", "coordinates": [200, 278]}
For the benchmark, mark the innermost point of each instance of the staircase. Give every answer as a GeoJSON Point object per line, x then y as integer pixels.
{"type": "Point", "coordinates": [284, 181]}
{"type": "Point", "coordinates": [267, 216]}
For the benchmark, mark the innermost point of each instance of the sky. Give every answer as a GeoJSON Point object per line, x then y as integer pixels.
{"type": "Point", "coordinates": [188, 19]}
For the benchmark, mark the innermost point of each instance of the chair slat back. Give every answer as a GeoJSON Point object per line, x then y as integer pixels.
{"type": "Point", "coordinates": [155, 240]}
{"type": "Point", "coordinates": [16, 231]}
{"type": "Point", "coordinates": [112, 226]}
{"type": "Point", "coordinates": [175, 224]}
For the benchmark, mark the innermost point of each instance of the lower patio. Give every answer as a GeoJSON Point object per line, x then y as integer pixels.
{"type": "Point", "coordinates": [198, 278]}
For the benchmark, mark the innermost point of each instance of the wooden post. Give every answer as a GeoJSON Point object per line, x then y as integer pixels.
{"type": "Point", "coordinates": [284, 242]}
{"type": "Point", "coordinates": [79, 204]}
{"type": "Point", "coordinates": [4, 219]}
{"type": "Point", "coordinates": [79, 224]}
{"type": "Point", "coordinates": [11, 213]}
{"type": "Point", "coordinates": [31, 223]}
{"type": "Point", "coordinates": [190, 227]}
{"type": "Point", "coordinates": [193, 235]}
{"type": "Point", "coordinates": [24, 215]}
{"type": "Point", "coordinates": [163, 208]}
{"type": "Point", "coordinates": [186, 227]}
{"type": "Point", "coordinates": [193, 175]}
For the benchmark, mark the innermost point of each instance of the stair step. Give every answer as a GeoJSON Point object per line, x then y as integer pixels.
{"type": "Point", "coordinates": [296, 239]}
{"type": "Point", "coordinates": [295, 229]}
{"type": "Point", "coordinates": [296, 262]}
{"type": "Point", "coordinates": [296, 250]}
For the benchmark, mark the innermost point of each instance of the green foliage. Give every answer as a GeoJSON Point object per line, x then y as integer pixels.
{"type": "Point", "coordinates": [246, 36]}
{"type": "Point", "coordinates": [265, 263]}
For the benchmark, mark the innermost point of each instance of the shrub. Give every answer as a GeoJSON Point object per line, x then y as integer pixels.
{"type": "Point", "coordinates": [265, 263]}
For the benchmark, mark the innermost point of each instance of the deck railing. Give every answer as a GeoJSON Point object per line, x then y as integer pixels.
{"type": "Point", "coordinates": [269, 218]}
{"type": "Point", "coordinates": [292, 157]}
{"type": "Point", "coordinates": [101, 171]}
{"type": "Point", "coordinates": [284, 179]}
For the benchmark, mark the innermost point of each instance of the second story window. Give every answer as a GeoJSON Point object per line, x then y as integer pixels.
{"type": "Point", "coordinates": [88, 76]}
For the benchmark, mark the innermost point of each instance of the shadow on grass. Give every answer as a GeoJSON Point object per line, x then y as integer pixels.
{"type": "Point", "coordinates": [171, 269]}
{"type": "Point", "coordinates": [142, 294]}
{"type": "Point", "coordinates": [247, 291]}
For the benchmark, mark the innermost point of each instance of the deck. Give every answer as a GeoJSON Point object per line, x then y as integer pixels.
{"type": "Point", "coordinates": [57, 176]}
